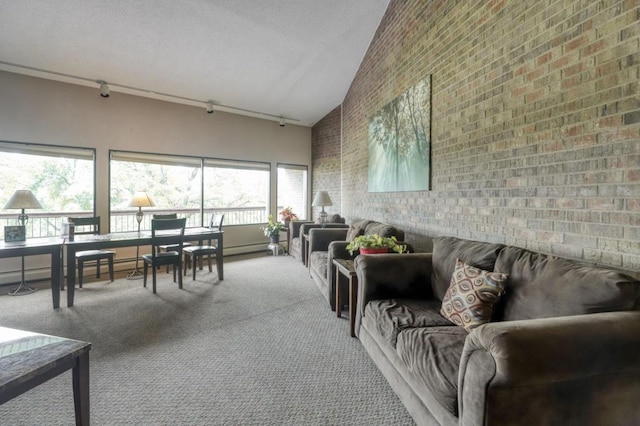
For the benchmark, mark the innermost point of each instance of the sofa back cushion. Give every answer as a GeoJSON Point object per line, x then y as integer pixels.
{"type": "Point", "coordinates": [542, 285]}
{"type": "Point", "coordinates": [446, 250]}
{"type": "Point", "coordinates": [331, 218]}
{"type": "Point", "coordinates": [383, 230]}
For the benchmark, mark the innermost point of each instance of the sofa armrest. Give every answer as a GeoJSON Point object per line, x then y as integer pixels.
{"type": "Point", "coordinates": [389, 276]}
{"type": "Point", "coordinates": [338, 250]}
{"type": "Point", "coordinates": [583, 369]}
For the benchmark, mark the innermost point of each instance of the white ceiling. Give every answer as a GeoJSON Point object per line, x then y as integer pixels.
{"type": "Point", "coordinates": [265, 58]}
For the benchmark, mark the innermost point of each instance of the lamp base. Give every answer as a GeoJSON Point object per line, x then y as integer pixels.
{"type": "Point", "coordinates": [22, 289]}
{"type": "Point", "coordinates": [135, 275]}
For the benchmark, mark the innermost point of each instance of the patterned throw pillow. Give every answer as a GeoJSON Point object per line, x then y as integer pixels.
{"type": "Point", "coordinates": [471, 295]}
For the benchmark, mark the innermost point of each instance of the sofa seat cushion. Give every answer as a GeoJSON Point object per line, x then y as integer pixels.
{"type": "Point", "coordinates": [388, 317]}
{"type": "Point", "coordinates": [319, 262]}
{"type": "Point", "coordinates": [296, 244]}
{"type": "Point", "coordinates": [542, 286]}
{"type": "Point", "coordinates": [433, 355]}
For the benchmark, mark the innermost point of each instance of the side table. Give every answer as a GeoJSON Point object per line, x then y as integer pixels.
{"type": "Point", "coordinates": [275, 248]}
{"type": "Point", "coordinates": [346, 269]}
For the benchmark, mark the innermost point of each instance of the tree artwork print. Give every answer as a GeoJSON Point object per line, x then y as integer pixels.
{"type": "Point", "coordinates": [400, 142]}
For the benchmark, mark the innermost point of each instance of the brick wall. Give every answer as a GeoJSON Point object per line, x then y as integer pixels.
{"type": "Point", "coordinates": [535, 124]}
{"type": "Point", "coordinates": [325, 138]}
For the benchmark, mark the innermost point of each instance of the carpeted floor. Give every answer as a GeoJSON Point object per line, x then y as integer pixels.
{"type": "Point", "coordinates": [261, 347]}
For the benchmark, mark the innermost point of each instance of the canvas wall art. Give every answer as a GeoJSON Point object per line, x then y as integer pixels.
{"type": "Point", "coordinates": [400, 142]}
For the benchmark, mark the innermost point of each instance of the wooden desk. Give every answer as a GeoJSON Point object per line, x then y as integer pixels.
{"type": "Point", "coordinates": [345, 268]}
{"type": "Point", "coordinates": [36, 246]}
{"type": "Point", "coordinates": [129, 239]}
{"type": "Point", "coordinates": [29, 359]}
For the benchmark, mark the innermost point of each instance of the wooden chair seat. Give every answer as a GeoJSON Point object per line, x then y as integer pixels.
{"type": "Point", "coordinates": [91, 226]}
{"type": "Point", "coordinates": [158, 258]}
{"type": "Point", "coordinates": [194, 253]}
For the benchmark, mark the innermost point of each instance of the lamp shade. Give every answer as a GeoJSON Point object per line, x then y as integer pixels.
{"type": "Point", "coordinates": [23, 199]}
{"type": "Point", "coordinates": [141, 199]}
{"type": "Point", "coordinates": [321, 199]}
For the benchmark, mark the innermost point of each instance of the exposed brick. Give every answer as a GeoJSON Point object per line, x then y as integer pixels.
{"type": "Point", "coordinates": [535, 125]}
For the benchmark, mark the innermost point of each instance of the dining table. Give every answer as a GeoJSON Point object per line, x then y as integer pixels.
{"type": "Point", "coordinates": [132, 239]}
{"type": "Point", "coordinates": [39, 246]}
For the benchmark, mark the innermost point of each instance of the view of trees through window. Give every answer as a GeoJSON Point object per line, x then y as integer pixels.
{"type": "Point", "coordinates": [61, 179]}
{"type": "Point", "coordinates": [239, 190]}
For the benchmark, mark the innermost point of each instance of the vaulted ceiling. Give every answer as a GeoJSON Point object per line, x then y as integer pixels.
{"type": "Point", "coordinates": [266, 58]}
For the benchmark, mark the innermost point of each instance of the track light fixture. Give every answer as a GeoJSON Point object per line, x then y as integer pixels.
{"type": "Point", "coordinates": [282, 122]}
{"type": "Point", "coordinates": [209, 107]}
{"type": "Point", "coordinates": [104, 90]}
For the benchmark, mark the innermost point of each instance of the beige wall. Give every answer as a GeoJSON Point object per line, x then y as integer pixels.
{"type": "Point", "coordinates": [43, 111]}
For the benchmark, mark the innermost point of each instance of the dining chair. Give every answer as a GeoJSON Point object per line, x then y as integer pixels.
{"type": "Point", "coordinates": [193, 253]}
{"type": "Point", "coordinates": [90, 226]}
{"type": "Point", "coordinates": [168, 247]}
{"type": "Point", "coordinates": [165, 232]}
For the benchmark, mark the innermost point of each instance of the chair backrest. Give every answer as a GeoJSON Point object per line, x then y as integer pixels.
{"type": "Point", "coordinates": [86, 225]}
{"type": "Point", "coordinates": [166, 232]}
{"type": "Point", "coordinates": [165, 216]}
{"type": "Point", "coordinates": [216, 221]}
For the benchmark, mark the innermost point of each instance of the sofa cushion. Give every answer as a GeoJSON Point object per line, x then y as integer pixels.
{"type": "Point", "coordinates": [332, 218]}
{"type": "Point", "coordinates": [354, 232]}
{"type": "Point", "coordinates": [471, 296]}
{"type": "Point", "coordinates": [542, 285]}
{"type": "Point", "coordinates": [447, 249]}
{"type": "Point", "coordinates": [319, 262]}
{"type": "Point", "coordinates": [433, 355]}
{"type": "Point", "coordinates": [390, 316]}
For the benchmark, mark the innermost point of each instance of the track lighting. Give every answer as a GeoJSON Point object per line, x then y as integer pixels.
{"type": "Point", "coordinates": [281, 122]}
{"type": "Point", "coordinates": [104, 90]}
{"type": "Point", "coordinates": [209, 107]}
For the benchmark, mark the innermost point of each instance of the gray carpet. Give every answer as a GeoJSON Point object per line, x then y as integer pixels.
{"type": "Point", "coordinates": [261, 347]}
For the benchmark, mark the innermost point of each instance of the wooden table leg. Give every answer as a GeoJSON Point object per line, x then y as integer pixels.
{"type": "Point", "coordinates": [338, 295]}
{"type": "Point", "coordinates": [81, 390]}
{"type": "Point", "coordinates": [353, 299]}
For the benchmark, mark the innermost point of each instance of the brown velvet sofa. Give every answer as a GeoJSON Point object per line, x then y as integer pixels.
{"type": "Point", "coordinates": [562, 348]}
{"type": "Point", "coordinates": [299, 227]}
{"type": "Point", "coordinates": [328, 244]}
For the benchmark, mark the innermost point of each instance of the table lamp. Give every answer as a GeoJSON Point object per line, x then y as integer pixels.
{"type": "Point", "coordinates": [140, 199]}
{"type": "Point", "coordinates": [320, 200]}
{"type": "Point", "coordinates": [23, 199]}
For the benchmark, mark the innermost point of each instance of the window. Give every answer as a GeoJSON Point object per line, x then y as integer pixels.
{"type": "Point", "coordinates": [61, 178]}
{"type": "Point", "coordinates": [239, 189]}
{"type": "Point", "coordinates": [189, 186]}
{"type": "Point", "coordinates": [173, 183]}
{"type": "Point", "coordinates": [292, 189]}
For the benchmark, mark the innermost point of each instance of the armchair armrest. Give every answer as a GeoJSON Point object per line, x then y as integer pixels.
{"type": "Point", "coordinates": [388, 276]}
{"type": "Point", "coordinates": [582, 369]}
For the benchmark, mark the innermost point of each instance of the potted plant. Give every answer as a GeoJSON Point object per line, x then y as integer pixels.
{"type": "Point", "coordinates": [374, 243]}
{"type": "Point", "coordinates": [272, 230]}
{"type": "Point", "coordinates": [288, 215]}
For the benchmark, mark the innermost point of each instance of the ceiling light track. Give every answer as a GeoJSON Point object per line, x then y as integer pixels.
{"type": "Point", "coordinates": [106, 87]}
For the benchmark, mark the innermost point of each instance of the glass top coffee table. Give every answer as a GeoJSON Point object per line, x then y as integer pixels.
{"type": "Point", "coordinates": [29, 359]}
